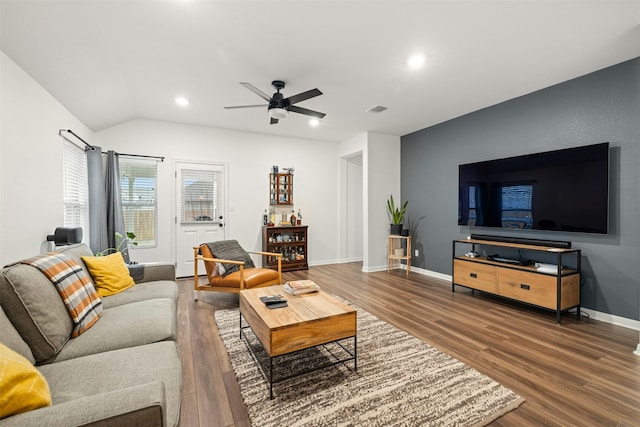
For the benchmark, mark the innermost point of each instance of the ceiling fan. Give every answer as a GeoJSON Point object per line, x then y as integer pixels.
{"type": "Point", "coordinates": [279, 106]}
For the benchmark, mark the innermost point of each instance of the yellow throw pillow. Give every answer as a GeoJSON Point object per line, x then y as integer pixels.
{"type": "Point", "coordinates": [110, 273]}
{"type": "Point", "coordinates": [22, 386]}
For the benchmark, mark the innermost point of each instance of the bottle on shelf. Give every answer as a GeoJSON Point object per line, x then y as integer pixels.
{"type": "Point", "coordinates": [293, 217]}
{"type": "Point", "coordinates": [272, 216]}
{"type": "Point", "coordinates": [265, 218]}
{"type": "Point", "coordinates": [299, 216]}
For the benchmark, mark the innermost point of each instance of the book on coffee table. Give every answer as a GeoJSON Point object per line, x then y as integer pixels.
{"type": "Point", "coordinates": [299, 287]}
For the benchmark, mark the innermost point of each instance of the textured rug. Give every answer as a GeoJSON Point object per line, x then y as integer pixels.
{"type": "Point", "coordinates": [400, 381]}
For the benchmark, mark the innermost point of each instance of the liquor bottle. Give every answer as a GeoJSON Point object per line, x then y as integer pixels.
{"type": "Point", "coordinates": [293, 217]}
{"type": "Point", "coordinates": [265, 218]}
{"type": "Point", "coordinates": [272, 212]}
{"type": "Point", "coordinates": [299, 216]}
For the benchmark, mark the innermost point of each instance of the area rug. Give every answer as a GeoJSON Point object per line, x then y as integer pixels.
{"type": "Point", "coordinates": [400, 381]}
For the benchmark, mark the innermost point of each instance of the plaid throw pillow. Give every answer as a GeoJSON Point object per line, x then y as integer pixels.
{"type": "Point", "coordinates": [230, 249]}
{"type": "Point", "coordinates": [74, 286]}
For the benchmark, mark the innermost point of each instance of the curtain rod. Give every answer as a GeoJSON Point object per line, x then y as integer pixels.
{"type": "Point", "coordinates": [74, 134]}
{"type": "Point", "coordinates": [93, 148]}
{"type": "Point", "coordinates": [140, 155]}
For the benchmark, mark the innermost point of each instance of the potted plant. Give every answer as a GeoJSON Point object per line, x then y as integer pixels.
{"type": "Point", "coordinates": [396, 213]}
{"type": "Point", "coordinates": [122, 244]}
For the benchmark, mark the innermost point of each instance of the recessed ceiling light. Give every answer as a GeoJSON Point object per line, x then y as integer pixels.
{"type": "Point", "coordinates": [181, 101]}
{"type": "Point", "coordinates": [314, 122]}
{"type": "Point", "coordinates": [415, 61]}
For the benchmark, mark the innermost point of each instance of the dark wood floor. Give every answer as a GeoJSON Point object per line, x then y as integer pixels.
{"type": "Point", "coordinates": [580, 373]}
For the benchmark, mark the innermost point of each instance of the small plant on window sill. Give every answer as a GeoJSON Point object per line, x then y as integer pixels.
{"type": "Point", "coordinates": [122, 244]}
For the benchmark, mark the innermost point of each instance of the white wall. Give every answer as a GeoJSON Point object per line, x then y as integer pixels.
{"type": "Point", "coordinates": [30, 162]}
{"type": "Point", "coordinates": [249, 157]}
{"type": "Point", "coordinates": [383, 179]}
{"type": "Point", "coordinates": [355, 224]}
{"type": "Point", "coordinates": [380, 177]}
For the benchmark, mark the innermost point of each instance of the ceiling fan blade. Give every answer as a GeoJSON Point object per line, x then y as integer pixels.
{"type": "Point", "coordinates": [303, 96]}
{"type": "Point", "coordinates": [273, 121]}
{"type": "Point", "coordinates": [257, 91]}
{"type": "Point", "coordinates": [306, 111]}
{"type": "Point", "coordinates": [245, 106]}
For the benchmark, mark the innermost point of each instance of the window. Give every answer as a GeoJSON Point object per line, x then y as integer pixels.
{"type": "Point", "coordinates": [75, 187]}
{"type": "Point", "coordinates": [138, 179]}
{"type": "Point", "coordinates": [202, 195]}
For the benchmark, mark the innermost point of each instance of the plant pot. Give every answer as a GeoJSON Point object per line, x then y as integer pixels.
{"type": "Point", "coordinates": [396, 229]}
{"type": "Point", "coordinates": [398, 252]}
{"type": "Point", "coordinates": [404, 232]}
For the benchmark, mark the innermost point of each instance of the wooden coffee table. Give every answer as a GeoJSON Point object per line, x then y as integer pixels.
{"type": "Point", "coordinates": [308, 321]}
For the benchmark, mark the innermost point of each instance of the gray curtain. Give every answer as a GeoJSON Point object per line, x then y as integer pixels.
{"type": "Point", "coordinates": [98, 240]}
{"type": "Point", "coordinates": [115, 218]}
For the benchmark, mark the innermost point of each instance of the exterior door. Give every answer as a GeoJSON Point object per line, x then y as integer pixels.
{"type": "Point", "coordinates": [201, 210]}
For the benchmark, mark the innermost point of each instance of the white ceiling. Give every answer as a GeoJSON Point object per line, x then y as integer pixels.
{"type": "Point", "coordinates": [111, 61]}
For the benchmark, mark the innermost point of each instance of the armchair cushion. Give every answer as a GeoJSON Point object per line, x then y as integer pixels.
{"type": "Point", "coordinates": [252, 277]}
{"type": "Point", "coordinates": [231, 250]}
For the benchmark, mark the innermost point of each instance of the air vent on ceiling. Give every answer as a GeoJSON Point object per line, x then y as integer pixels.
{"type": "Point", "coordinates": [377, 109]}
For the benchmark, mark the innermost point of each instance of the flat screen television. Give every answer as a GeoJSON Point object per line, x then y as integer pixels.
{"type": "Point", "coordinates": [563, 190]}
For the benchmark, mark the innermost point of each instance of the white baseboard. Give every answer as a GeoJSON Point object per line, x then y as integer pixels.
{"type": "Point", "coordinates": [611, 318]}
{"type": "Point", "coordinates": [637, 352]}
{"type": "Point", "coordinates": [593, 314]}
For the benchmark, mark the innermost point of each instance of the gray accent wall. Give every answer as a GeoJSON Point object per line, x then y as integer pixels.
{"type": "Point", "coordinates": [603, 106]}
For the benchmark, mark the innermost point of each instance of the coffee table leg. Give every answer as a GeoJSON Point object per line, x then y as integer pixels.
{"type": "Point", "coordinates": [270, 378]}
{"type": "Point", "coordinates": [355, 353]}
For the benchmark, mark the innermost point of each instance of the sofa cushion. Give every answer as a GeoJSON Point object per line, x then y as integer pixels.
{"type": "Point", "coordinates": [74, 286]}
{"type": "Point", "coordinates": [142, 292]}
{"type": "Point", "coordinates": [35, 309]}
{"type": "Point", "coordinates": [22, 387]}
{"type": "Point", "coordinates": [152, 271]}
{"type": "Point", "coordinates": [117, 370]}
{"type": "Point", "coordinates": [76, 252]}
{"type": "Point", "coordinates": [12, 339]}
{"type": "Point", "coordinates": [110, 274]}
{"type": "Point", "coordinates": [127, 325]}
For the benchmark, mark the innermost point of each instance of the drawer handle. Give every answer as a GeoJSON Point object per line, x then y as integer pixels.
{"type": "Point", "coordinates": [473, 275]}
{"type": "Point", "coordinates": [525, 287]}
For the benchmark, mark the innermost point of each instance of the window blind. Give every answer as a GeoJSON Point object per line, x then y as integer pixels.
{"type": "Point", "coordinates": [138, 185]}
{"type": "Point", "coordinates": [202, 195]}
{"type": "Point", "coordinates": [75, 187]}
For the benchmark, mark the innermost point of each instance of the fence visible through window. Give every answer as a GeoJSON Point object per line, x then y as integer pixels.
{"type": "Point", "coordinates": [138, 186]}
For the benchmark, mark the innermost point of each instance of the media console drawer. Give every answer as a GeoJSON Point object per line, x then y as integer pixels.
{"type": "Point", "coordinates": [475, 275]}
{"type": "Point", "coordinates": [528, 287]}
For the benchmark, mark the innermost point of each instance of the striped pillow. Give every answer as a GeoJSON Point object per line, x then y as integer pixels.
{"type": "Point", "coordinates": [74, 286]}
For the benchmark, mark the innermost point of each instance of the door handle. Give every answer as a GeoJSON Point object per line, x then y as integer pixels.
{"type": "Point", "coordinates": [525, 287]}
{"type": "Point", "coordinates": [221, 224]}
{"type": "Point", "coordinates": [473, 275]}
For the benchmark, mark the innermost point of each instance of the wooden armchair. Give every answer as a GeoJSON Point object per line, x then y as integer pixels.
{"type": "Point", "coordinates": [243, 278]}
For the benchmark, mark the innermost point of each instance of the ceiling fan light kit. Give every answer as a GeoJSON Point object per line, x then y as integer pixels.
{"type": "Point", "coordinates": [279, 106]}
{"type": "Point", "coordinates": [278, 113]}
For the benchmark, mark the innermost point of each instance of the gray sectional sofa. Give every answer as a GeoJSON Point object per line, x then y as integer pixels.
{"type": "Point", "coordinates": [124, 370]}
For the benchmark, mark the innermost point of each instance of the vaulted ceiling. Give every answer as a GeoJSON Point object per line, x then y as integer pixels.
{"type": "Point", "coordinates": [110, 61]}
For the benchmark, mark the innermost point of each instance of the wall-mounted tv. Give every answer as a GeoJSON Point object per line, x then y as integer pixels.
{"type": "Point", "coordinates": [563, 190]}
